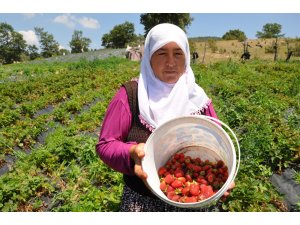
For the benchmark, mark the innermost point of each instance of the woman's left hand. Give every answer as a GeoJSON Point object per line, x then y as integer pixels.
{"type": "Point", "coordinates": [227, 193]}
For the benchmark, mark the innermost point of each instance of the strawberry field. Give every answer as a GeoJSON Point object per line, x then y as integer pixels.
{"type": "Point", "coordinates": [51, 114]}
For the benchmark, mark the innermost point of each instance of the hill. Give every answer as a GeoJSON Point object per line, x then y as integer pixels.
{"type": "Point", "coordinates": [212, 50]}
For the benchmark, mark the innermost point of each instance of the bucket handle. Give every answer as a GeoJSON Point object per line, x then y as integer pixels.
{"type": "Point", "coordinates": [236, 140]}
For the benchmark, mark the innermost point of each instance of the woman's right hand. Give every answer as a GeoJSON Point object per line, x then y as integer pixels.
{"type": "Point", "coordinates": [137, 153]}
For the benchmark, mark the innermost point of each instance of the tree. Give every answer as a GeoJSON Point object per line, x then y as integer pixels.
{"type": "Point", "coordinates": [149, 20]}
{"type": "Point", "coordinates": [49, 46]}
{"type": "Point", "coordinates": [271, 30]}
{"type": "Point", "coordinates": [234, 35]}
{"type": "Point", "coordinates": [119, 36]}
{"type": "Point", "coordinates": [12, 44]}
{"type": "Point", "coordinates": [79, 43]}
{"type": "Point", "coordinates": [32, 52]}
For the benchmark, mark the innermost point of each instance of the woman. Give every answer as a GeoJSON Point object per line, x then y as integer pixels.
{"type": "Point", "coordinates": [165, 89]}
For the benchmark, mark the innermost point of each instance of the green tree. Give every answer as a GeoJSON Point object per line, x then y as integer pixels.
{"type": "Point", "coordinates": [149, 20]}
{"type": "Point", "coordinates": [235, 35]}
{"type": "Point", "coordinates": [12, 44]}
{"type": "Point", "coordinates": [32, 52]}
{"type": "Point", "coordinates": [49, 46]}
{"type": "Point", "coordinates": [119, 36]}
{"type": "Point", "coordinates": [79, 43]}
{"type": "Point", "coordinates": [64, 51]}
{"type": "Point", "coordinates": [271, 30]}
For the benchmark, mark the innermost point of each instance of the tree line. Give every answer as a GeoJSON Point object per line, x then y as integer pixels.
{"type": "Point", "coordinates": [14, 48]}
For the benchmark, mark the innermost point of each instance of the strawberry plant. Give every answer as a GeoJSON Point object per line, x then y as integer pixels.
{"type": "Point", "coordinates": [48, 160]}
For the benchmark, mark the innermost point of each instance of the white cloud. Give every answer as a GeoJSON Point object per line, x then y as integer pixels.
{"type": "Point", "coordinates": [71, 21]}
{"type": "Point", "coordinates": [89, 22]}
{"type": "Point", "coordinates": [29, 15]}
{"type": "Point", "coordinates": [30, 37]}
{"type": "Point", "coordinates": [66, 19]}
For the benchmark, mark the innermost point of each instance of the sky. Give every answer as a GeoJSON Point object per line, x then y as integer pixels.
{"type": "Point", "coordinates": [94, 25]}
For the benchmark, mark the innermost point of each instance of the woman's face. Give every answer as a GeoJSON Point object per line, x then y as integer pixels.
{"type": "Point", "coordinates": [168, 63]}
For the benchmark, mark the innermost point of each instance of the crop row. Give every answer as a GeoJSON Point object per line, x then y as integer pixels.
{"type": "Point", "coordinates": [63, 173]}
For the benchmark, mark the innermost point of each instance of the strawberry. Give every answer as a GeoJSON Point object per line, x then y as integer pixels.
{"type": "Point", "coordinates": [182, 179]}
{"type": "Point", "coordinates": [201, 181]}
{"type": "Point", "coordinates": [179, 173]}
{"type": "Point", "coordinates": [177, 184]}
{"type": "Point", "coordinates": [191, 199]}
{"type": "Point", "coordinates": [188, 177]}
{"type": "Point", "coordinates": [188, 160]}
{"type": "Point", "coordinates": [169, 179]}
{"type": "Point", "coordinates": [162, 171]}
{"type": "Point", "coordinates": [206, 190]}
{"type": "Point", "coordinates": [185, 191]}
{"type": "Point", "coordinates": [194, 189]}
{"type": "Point", "coordinates": [170, 194]}
{"type": "Point", "coordinates": [210, 178]}
{"type": "Point", "coordinates": [220, 164]}
{"type": "Point", "coordinates": [175, 198]}
{"type": "Point", "coordinates": [163, 186]}
{"type": "Point", "coordinates": [170, 188]}
{"type": "Point", "coordinates": [176, 156]}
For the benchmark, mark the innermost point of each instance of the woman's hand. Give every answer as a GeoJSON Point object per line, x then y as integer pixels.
{"type": "Point", "coordinates": [227, 193]}
{"type": "Point", "coordinates": [137, 153]}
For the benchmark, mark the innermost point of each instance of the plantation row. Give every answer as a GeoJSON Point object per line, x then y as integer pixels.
{"type": "Point", "coordinates": [50, 114]}
{"type": "Point", "coordinates": [44, 175]}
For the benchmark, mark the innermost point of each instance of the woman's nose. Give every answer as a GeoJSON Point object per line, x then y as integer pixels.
{"type": "Point", "coordinates": [170, 60]}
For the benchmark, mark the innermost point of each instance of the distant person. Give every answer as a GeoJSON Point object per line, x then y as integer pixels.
{"type": "Point", "coordinates": [246, 55]}
{"type": "Point", "coordinates": [195, 56]}
{"type": "Point", "coordinates": [166, 89]}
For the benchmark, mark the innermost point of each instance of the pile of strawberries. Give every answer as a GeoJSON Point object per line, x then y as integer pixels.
{"type": "Point", "coordinates": [184, 179]}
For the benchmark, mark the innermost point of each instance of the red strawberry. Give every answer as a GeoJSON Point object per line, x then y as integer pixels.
{"type": "Point", "coordinates": [188, 177]}
{"type": "Point", "coordinates": [175, 198]}
{"type": "Point", "coordinates": [177, 184]}
{"type": "Point", "coordinates": [169, 179]}
{"type": "Point", "coordinates": [162, 171]}
{"type": "Point", "coordinates": [182, 179]}
{"type": "Point", "coordinates": [210, 178]}
{"type": "Point", "coordinates": [170, 194]}
{"type": "Point", "coordinates": [220, 164]}
{"type": "Point", "coordinates": [179, 173]}
{"type": "Point", "coordinates": [191, 199]}
{"type": "Point", "coordinates": [206, 190]}
{"type": "Point", "coordinates": [185, 191]}
{"type": "Point", "coordinates": [163, 186]}
{"type": "Point", "coordinates": [176, 156]}
{"type": "Point", "coordinates": [169, 188]}
{"type": "Point", "coordinates": [194, 189]}
{"type": "Point", "coordinates": [188, 159]}
{"type": "Point", "coordinates": [201, 181]}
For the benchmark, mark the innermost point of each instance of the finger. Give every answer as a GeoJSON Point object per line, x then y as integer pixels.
{"type": "Point", "coordinates": [226, 194]}
{"type": "Point", "coordinates": [140, 172]}
{"type": "Point", "coordinates": [231, 186]}
{"type": "Point", "coordinates": [141, 154]}
{"type": "Point", "coordinates": [140, 150]}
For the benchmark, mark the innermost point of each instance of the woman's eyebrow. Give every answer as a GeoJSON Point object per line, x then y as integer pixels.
{"type": "Point", "coordinates": [166, 49]}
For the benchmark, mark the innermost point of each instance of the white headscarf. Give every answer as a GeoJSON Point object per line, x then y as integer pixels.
{"type": "Point", "coordinates": [160, 101]}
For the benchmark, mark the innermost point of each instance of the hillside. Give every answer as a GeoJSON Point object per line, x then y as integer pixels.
{"type": "Point", "coordinates": [233, 49]}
